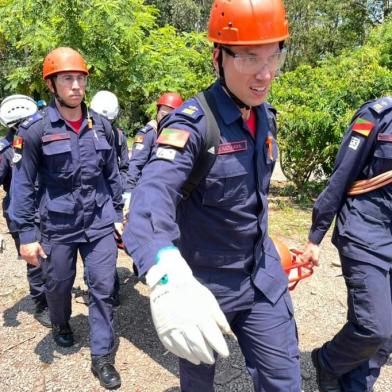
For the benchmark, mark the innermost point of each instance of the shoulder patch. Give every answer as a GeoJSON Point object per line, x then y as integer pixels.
{"type": "Point", "coordinates": [31, 120]}
{"type": "Point", "coordinates": [4, 143]}
{"type": "Point", "coordinates": [191, 111]}
{"type": "Point", "coordinates": [145, 129]}
{"type": "Point", "coordinates": [17, 143]}
{"type": "Point", "coordinates": [362, 126]}
{"type": "Point", "coordinates": [173, 137]}
{"type": "Point", "coordinates": [381, 105]}
{"type": "Point", "coordinates": [138, 139]}
{"type": "Point", "coordinates": [153, 124]}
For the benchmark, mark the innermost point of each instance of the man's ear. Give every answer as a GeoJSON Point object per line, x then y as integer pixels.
{"type": "Point", "coordinates": [215, 55]}
{"type": "Point", "coordinates": [49, 83]}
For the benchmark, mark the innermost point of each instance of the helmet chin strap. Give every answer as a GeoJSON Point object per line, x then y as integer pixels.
{"type": "Point", "coordinates": [222, 79]}
{"type": "Point", "coordinates": [59, 99]}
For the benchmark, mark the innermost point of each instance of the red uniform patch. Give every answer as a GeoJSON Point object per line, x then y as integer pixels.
{"type": "Point", "coordinates": [229, 148]}
{"type": "Point", "coordinates": [382, 137]}
{"type": "Point", "coordinates": [55, 137]}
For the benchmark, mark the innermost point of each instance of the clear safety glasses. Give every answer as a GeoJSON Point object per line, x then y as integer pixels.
{"type": "Point", "coordinates": [67, 80]}
{"type": "Point", "coordinates": [248, 64]}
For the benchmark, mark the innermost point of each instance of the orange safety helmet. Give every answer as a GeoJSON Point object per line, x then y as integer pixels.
{"type": "Point", "coordinates": [294, 268]}
{"type": "Point", "coordinates": [247, 22]}
{"type": "Point", "coordinates": [63, 60]}
{"type": "Point", "coordinates": [173, 100]}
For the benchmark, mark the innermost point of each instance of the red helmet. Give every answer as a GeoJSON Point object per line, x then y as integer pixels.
{"type": "Point", "coordinates": [63, 60]}
{"type": "Point", "coordinates": [295, 269]}
{"type": "Point", "coordinates": [173, 100]}
{"type": "Point", "coordinates": [247, 22]}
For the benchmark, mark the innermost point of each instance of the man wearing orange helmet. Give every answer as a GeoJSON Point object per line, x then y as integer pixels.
{"type": "Point", "coordinates": [200, 236]}
{"type": "Point", "coordinates": [70, 151]}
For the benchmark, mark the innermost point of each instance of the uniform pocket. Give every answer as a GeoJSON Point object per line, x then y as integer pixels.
{"type": "Point", "coordinates": [61, 212]}
{"type": "Point", "coordinates": [226, 184]}
{"type": "Point", "coordinates": [292, 333]}
{"type": "Point", "coordinates": [101, 144]}
{"type": "Point", "coordinates": [102, 147]}
{"type": "Point", "coordinates": [375, 218]}
{"type": "Point", "coordinates": [58, 155]}
{"type": "Point", "coordinates": [360, 307]}
{"type": "Point", "coordinates": [383, 155]}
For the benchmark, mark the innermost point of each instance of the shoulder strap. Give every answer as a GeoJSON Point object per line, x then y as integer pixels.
{"type": "Point", "coordinates": [206, 157]}
{"type": "Point", "coordinates": [47, 124]}
{"type": "Point", "coordinates": [97, 119]}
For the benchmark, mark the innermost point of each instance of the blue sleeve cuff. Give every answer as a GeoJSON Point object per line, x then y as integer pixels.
{"type": "Point", "coordinates": [316, 236]}
{"type": "Point", "coordinates": [28, 236]}
{"type": "Point", "coordinates": [145, 257]}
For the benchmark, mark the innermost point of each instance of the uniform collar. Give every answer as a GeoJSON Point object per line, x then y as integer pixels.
{"type": "Point", "coordinates": [227, 109]}
{"type": "Point", "coordinates": [55, 115]}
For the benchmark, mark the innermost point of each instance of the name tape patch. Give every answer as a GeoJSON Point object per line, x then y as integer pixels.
{"type": "Point", "coordinates": [228, 148]}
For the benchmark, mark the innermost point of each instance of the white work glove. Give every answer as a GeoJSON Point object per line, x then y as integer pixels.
{"type": "Point", "coordinates": [186, 315]}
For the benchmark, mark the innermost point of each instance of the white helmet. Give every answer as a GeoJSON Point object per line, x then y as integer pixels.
{"type": "Point", "coordinates": [16, 108]}
{"type": "Point", "coordinates": [105, 103]}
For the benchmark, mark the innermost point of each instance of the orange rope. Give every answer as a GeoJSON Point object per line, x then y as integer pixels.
{"type": "Point", "coordinates": [365, 186]}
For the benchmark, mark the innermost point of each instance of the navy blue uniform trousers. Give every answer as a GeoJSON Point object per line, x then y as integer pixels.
{"type": "Point", "coordinates": [359, 350]}
{"type": "Point", "coordinates": [99, 258]}
{"type": "Point", "coordinates": [267, 337]}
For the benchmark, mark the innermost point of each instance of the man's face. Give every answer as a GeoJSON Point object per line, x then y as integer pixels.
{"type": "Point", "coordinates": [163, 111]}
{"type": "Point", "coordinates": [71, 87]}
{"type": "Point", "coordinates": [249, 70]}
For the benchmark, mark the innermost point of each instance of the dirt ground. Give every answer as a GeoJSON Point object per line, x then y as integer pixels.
{"type": "Point", "coordinates": [30, 361]}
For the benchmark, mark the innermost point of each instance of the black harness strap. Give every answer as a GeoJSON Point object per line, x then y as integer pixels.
{"type": "Point", "coordinates": [206, 157]}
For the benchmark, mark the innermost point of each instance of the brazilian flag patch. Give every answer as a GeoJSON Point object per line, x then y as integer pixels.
{"type": "Point", "coordinates": [363, 126]}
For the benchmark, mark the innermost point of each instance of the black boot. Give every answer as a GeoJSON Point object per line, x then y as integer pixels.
{"type": "Point", "coordinates": [102, 368]}
{"type": "Point", "coordinates": [63, 335]}
{"type": "Point", "coordinates": [325, 381]}
{"type": "Point", "coordinates": [41, 313]}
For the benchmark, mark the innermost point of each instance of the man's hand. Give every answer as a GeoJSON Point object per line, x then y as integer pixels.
{"type": "Point", "coordinates": [186, 315]}
{"type": "Point", "coordinates": [32, 252]}
{"type": "Point", "coordinates": [311, 253]}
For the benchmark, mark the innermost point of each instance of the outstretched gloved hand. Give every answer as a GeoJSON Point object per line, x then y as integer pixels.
{"type": "Point", "coordinates": [186, 315]}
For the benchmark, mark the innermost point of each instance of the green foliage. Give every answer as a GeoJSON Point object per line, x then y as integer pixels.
{"type": "Point", "coordinates": [316, 105]}
{"type": "Point", "coordinates": [319, 28]}
{"type": "Point", "coordinates": [170, 62]}
{"type": "Point", "coordinates": [184, 15]}
{"type": "Point", "coordinates": [125, 52]}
